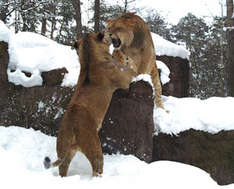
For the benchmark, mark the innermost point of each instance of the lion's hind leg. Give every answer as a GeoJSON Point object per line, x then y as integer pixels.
{"type": "Point", "coordinates": [90, 146]}
{"type": "Point", "coordinates": [157, 87]}
{"type": "Point", "coordinates": [64, 166]}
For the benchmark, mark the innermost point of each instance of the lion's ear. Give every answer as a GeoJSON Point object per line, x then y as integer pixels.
{"type": "Point", "coordinates": [100, 36]}
{"type": "Point", "coordinates": [75, 44]}
{"type": "Point", "coordinates": [109, 21]}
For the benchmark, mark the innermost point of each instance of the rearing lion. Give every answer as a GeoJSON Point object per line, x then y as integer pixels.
{"type": "Point", "coordinates": [131, 36]}
{"type": "Point", "coordinates": [99, 78]}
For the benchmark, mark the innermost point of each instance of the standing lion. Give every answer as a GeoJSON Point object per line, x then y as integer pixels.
{"type": "Point", "coordinates": [131, 36]}
{"type": "Point", "coordinates": [99, 78]}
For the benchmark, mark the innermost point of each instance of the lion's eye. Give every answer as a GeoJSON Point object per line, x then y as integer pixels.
{"type": "Point", "coordinates": [118, 28]}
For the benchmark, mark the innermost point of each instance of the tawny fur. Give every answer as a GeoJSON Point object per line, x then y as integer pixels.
{"type": "Point", "coordinates": [99, 77]}
{"type": "Point", "coordinates": [137, 44]}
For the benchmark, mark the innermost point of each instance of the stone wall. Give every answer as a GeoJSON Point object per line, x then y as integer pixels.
{"type": "Point", "coordinates": [39, 107]}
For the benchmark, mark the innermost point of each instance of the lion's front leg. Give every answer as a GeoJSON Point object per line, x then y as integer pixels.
{"type": "Point", "coordinates": [123, 61]}
{"type": "Point", "coordinates": [119, 58]}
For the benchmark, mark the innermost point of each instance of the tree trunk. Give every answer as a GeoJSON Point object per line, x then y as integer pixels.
{"type": "Point", "coordinates": [229, 8]}
{"type": "Point", "coordinates": [125, 6]}
{"type": "Point", "coordinates": [43, 26]}
{"type": "Point", "coordinates": [230, 39]}
{"type": "Point", "coordinates": [53, 23]}
{"type": "Point", "coordinates": [52, 8]}
{"type": "Point", "coordinates": [76, 5]}
{"type": "Point", "coordinates": [97, 16]}
{"type": "Point", "coordinates": [17, 20]}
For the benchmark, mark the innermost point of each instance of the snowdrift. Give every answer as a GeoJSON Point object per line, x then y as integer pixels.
{"type": "Point", "coordinates": [21, 161]}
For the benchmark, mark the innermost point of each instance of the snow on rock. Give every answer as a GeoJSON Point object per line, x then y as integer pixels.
{"type": "Point", "coordinates": [21, 160]}
{"type": "Point", "coordinates": [211, 115]}
{"type": "Point", "coordinates": [19, 78]}
{"type": "Point", "coordinates": [4, 32]}
{"type": "Point", "coordinates": [34, 53]}
{"type": "Point", "coordinates": [165, 72]}
{"type": "Point", "coordinates": [144, 77]}
{"type": "Point", "coordinates": [164, 47]}
{"type": "Point", "coordinates": [6, 36]}
{"type": "Point", "coordinates": [229, 28]}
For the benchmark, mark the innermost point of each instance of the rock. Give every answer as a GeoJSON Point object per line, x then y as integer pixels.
{"type": "Point", "coordinates": [40, 108]}
{"type": "Point", "coordinates": [4, 85]}
{"type": "Point", "coordinates": [53, 77]}
{"type": "Point", "coordinates": [213, 153]}
{"type": "Point", "coordinates": [179, 76]}
{"type": "Point", "coordinates": [128, 125]}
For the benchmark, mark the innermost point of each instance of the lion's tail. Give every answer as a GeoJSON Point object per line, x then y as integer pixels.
{"type": "Point", "coordinates": [47, 163]}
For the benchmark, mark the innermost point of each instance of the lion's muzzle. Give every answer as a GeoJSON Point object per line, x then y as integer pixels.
{"type": "Point", "coordinates": [116, 42]}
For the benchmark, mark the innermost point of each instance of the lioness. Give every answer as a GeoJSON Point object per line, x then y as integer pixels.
{"type": "Point", "coordinates": [131, 36]}
{"type": "Point", "coordinates": [99, 78]}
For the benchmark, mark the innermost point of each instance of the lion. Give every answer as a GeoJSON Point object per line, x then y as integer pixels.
{"type": "Point", "coordinates": [99, 78]}
{"type": "Point", "coordinates": [131, 36]}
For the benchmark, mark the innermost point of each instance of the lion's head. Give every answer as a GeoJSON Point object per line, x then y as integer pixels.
{"type": "Point", "coordinates": [91, 41]}
{"type": "Point", "coordinates": [125, 31]}
{"type": "Point", "coordinates": [92, 49]}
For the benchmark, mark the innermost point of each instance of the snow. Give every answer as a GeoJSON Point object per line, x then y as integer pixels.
{"type": "Point", "coordinates": [144, 77]}
{"type": "Point", "coordinates": [229, 28]}
{"type": "Point", "coordinates": [211, 115]}
{"type": "Point", "coordinates": [43, 55]}
{"type": "Point", "coordinates": [4, 32]}
{"type": "Point", "coordinates": [21, 160]}
{"type": "Point", "coordinates": [165, 72]}
{"type": "Point", "coordinates": [164, 77]}
{"type": "Point", "coordinates": [164, 47]}
{"type": "Point", "coordinates": [34, 53]}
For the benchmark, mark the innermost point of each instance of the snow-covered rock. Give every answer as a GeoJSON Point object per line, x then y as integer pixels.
{"type": "Point", "coordinates": [211, 115]}
{"type": "Point", "coordinates": [34, 53]}
{"type": "Point", "coordinates": [4, 32]}
{"type": "Point", "coordinates": [165, 72]}
{"type": "Point", "coordinates": [164, 47]}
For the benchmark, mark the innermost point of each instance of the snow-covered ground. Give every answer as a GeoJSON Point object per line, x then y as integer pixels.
{"type": "Point", "coordinates": [21, 162]}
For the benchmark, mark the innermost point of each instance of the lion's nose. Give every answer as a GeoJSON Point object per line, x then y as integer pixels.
{"type": "Point", "coordinates": [116, 42]}
{"type": "Point", "coordinates": [110, 34]}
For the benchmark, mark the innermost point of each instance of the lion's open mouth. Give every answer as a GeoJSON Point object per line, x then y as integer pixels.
{"type": "Point", "coordinates": [116, 42]}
